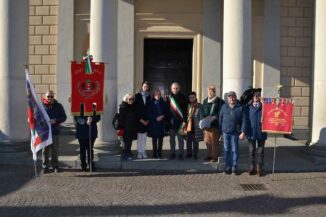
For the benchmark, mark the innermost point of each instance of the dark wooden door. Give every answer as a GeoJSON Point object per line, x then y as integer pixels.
{"type": "Point", "coordinates": [167, 61]}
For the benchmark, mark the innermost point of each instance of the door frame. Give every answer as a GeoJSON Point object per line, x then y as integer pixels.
{"type": "Point", "coordinates": [196, 56]}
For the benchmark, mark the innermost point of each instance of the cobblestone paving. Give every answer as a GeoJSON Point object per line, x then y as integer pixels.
{"type": "Point", "coordinates": [116, 193]}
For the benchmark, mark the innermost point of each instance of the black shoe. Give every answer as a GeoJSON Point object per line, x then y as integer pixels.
{"type": "Point", "coordinates": [46, 171]}
{"type": "Point", "coordinates": [260, 172]}
{"type": "Point", "coordinates": [189, 156]}
{"type": "Point", "coordinates": [235, 172]}
{"type": "Point", "coordinates": [172, 156]}
{"type": "Point", "coordinates": [207, 159]}
{"type": "Point", "coordinates": [84, 169]}
{"type": "Point", "coordinates": [180, 157]}
{"type": "Point", "coordinates": [251, 171]}
{"type": "Point", "coordinates": [195, 157]}
{"type": "Point", "coordinates": [227, 171]}
{"type": "Point", "coordinates": [57, 170]}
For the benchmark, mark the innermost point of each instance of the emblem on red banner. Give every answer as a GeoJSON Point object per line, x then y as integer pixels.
{"type": "Point", "coordinates": [277, 115]}
{"type": "Point", "coordinates": [87, 80]}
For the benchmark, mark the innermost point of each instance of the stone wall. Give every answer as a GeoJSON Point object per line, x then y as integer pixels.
{"type": "Point", "coordinates": [43, 44]}
{"type": "Point", "coordinates": [296, 56]}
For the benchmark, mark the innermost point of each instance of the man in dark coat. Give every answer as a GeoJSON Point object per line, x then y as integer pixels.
{"type": "Point", "coordinates": [233, 123]}
{"type": "Point", "coordinates": [142, 100]}
{"type": "Point", "coordinates": [57, 116]}
{"type": "Point", "coordinates": [177, 103]}
{"type": "Point", "coordinates": [255, 136]}
{"type": "Point", "coordinates": [83, 123]}
{"type": "Point", "coordinates": [128, 121]}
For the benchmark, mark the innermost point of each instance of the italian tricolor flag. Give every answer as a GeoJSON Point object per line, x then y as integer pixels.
{"type": "Point", "coordinates": [88, 64]}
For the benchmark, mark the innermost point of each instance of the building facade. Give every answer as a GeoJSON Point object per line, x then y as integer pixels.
{"type": "Point", "coordinates": [232, 44]}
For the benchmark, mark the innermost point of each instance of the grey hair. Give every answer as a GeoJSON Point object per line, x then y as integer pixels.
{"type": "Point", "coordinates": [127, 96]}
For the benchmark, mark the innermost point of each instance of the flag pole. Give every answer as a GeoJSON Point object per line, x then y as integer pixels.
{"type": "Point", "coordinates": [34, 161]}
{"type": "Point", "coordinates": [90, 148]}
{"type": "Point", "coordinates": [35, 169]}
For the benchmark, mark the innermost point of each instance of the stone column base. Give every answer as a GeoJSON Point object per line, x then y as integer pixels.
{"type": "Point", "coordinates": [15, 152]}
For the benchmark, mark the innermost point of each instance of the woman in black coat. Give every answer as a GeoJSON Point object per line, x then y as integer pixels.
{"type": "Point", "coordinates": [128, 122]}
{"type": "Point", "coordinates": [157, 114]}
{"type": "Point", "coordinates": [142, 100]}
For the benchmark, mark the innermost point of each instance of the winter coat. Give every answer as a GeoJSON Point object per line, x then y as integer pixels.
{"type": "Point", "coordinates": [206, 110]}
{"type": "Point", "coordinates": [182, 102]}
{"type": "Point", "coordinates": [128, 121]}
{"type": "Point", "coordinates": [141, 109]}
{"type": "Point", "coordinates": [199, 133]}
{"type": "Point", "coordinates": [233, 120]}
{"type": "Point", "coordinates": [57, 112]}
{"type": "Point", "coordinates": [82, 128]}
{"type": "Point", "coordinates": [254, 123]}
{"type": "Point", "coordinates": [157, 108]}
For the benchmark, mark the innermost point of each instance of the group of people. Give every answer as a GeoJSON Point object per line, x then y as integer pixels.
{"type": "Point", "coordinates": [83, 123]}
{"type": "Point", "coordinates": [183, 118]}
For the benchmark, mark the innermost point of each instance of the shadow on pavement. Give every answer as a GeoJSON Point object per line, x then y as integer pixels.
{"type": "Point", "coordinates": [251, 205]}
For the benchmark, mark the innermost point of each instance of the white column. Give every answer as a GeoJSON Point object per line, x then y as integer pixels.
{"type": "Point", "coordinates": [103, 47]}
{"type": "Point", "coordinates": [319, 78]}
{"type": "Point", "coordinates": [237, 74]}
{"type": "Point", "coordinates": [212, 46]}
{"type": "Point", "coordinates": [126, 52]}
{"type": "Point", "coordinates": [272, 44]}
{"type": "Point", "coordinates": [13, 54]}
{"type": "Point", "coordinates": [65, 53]}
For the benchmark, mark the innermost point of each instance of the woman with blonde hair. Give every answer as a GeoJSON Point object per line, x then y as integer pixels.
{"type": "Point", "coordinates": [128, 122]}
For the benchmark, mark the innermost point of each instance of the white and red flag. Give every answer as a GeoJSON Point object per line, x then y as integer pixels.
{"type": "Point", "coordinates": [38, 120]}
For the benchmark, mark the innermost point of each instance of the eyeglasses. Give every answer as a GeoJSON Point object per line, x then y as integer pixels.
{"type": "Point", "coordinates": [49, 96]}
{"type": "Point", "coordinates": [256, 95]}
{"type": "Point", "coordinates": [131, 99]}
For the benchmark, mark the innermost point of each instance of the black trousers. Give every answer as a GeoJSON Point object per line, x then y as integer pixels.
{"type": "Point", "coordinates": [157, 146]}
{"type": "Point", "coordinates": [256, 148]}
{"type": "Point", "coordinates": [192, 144]}
{"type": "Point", "coordinates": [84, 147]}
{"type": "Point", "coordinates": [127, 150]}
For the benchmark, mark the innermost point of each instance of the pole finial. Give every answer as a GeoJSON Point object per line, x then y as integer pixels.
{"type": "Point", "coordinates": [25, 65]}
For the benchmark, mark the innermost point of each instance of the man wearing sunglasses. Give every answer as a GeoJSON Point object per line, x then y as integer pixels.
{"type": "Point", "coordinates": [57, 115]}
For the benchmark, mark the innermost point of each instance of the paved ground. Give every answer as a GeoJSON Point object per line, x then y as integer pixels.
{"type": "Point", "coordinates": [122, 193]}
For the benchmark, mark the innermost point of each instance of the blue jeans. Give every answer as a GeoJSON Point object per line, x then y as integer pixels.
{"type": "Point", "coordinates": [174, 133]}
{"type": "Point", "coordinates": [231, 141]}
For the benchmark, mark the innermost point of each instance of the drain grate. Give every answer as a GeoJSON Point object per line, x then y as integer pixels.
{"type": "Point", "coordinates": [253, 187]}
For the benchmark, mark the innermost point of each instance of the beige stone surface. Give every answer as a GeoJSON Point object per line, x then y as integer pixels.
{"type": "Point", "coordinates": [35, 59]}
{"type": "Point", "coordinates": [49, 59]}
{"type": "Point", "coordinates": [42, 49]}
{"type": "Point", "coordinates": [50, 20]}
{"type": "Point", "coordinates": [42, 30]}
{"type": "Point", "coordinates": [35, 20]}
{"type": "Point", "coordinates": [48, 79]}
{"type": "Point", "coordinates": [50, 2]}
{"type": "Point", "coordinates": [42, 10]}
{"type": "Point", "coordinates": [35, 2]}
{"type": "Point", "coordinates": [49, 39]}
{"type": "Point", "coordinates": [41, 69]}
{"type": "Point", "coordinates": [54, 10]}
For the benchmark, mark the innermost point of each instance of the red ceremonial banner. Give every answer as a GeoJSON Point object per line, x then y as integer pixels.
{"type": "Point", "coordinates": [87, 89]}
{"type": "Point", "coordinates": [277, 115]}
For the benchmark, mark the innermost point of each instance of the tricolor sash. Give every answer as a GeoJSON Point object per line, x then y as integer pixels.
{"type": "Point", "coordinates": [176, 108]}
